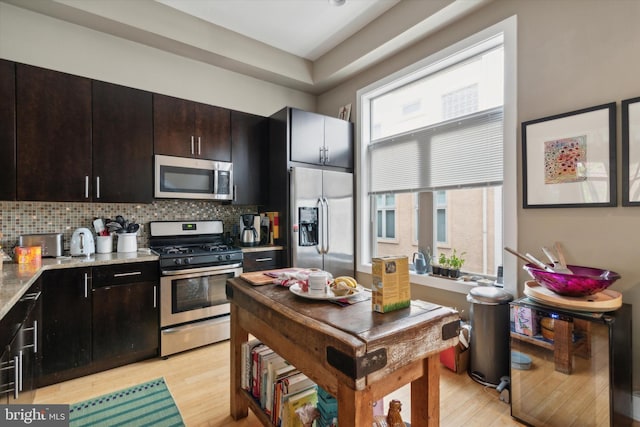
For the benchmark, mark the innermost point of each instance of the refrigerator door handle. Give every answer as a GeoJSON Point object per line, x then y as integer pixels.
{"type": "Point", "coordinates": [320, 243]}
{"type": "Point", "coordinates": [326, 225]}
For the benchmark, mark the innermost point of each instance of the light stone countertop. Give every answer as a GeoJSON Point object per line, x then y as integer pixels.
{"type": "Point", "coordinates": [16, 279]}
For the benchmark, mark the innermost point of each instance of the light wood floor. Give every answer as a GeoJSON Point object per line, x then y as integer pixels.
{"type": "Point", "coordinates": [199, 382]}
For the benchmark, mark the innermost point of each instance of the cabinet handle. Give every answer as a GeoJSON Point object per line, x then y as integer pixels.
{"type": "Point", "coordinates": [321, 154]}
{"type": "Point", "coordinates": [6, 387]}
{"type": "Point", "coordinates": [133, 273]}
{"type": "Point", "coordinates": [199, 146]}
{"type": "Point", "coordinates": [97, 187]}
{"type": "Point", "coordinates": [155, 296]}
{"type": "Point", "coordinates": [264, 259]}
{"type": "Point", "coordinates": [234, 192]}
{"type": "Point", "coordinates": [326, 155]}
{"type": "Point", "coordinates": [19, 372]}
{"type": "Point", "coordinates": [35, 337]}
{"type": "Point", "coordinates": [86, 186]}
{"type": "Point", "coordinates": [86, 284]}
{"type": "Point", "coordinates": [192, 146]}
{"type": "Point", "coordinates": [30, 297]}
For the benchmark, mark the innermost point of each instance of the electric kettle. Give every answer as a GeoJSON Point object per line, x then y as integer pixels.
{"type": "Point", "coordinates": [82, 242]}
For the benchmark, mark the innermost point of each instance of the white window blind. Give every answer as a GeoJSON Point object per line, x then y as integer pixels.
{"type": "Point", "coordinates": [463, 152]}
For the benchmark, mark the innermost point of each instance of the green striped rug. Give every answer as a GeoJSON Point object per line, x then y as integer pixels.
{"type": "Point", "coordinates": [147, 404]}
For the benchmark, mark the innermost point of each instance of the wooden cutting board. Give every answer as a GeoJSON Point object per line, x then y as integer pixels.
{"type": "Point", "coordinates": [259, 278]}
{"type": "Point", "coordinates": [603, 301]}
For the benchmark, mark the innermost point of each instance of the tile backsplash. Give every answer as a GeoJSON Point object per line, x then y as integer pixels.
{"type": "Point", "coordinates": [17, 218]}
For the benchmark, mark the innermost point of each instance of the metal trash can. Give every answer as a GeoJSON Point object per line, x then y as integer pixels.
{"type": "Point", "coordinates": [489, 350]}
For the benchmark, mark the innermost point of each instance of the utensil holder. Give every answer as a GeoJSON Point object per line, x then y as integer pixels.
{"type": "Point", "coordinates": [104, 244]}
{"type": "Point", "coordinates": [127, 242]}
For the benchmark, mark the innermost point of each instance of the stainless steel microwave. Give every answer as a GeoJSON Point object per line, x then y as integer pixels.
{"type": "Point", "coordinates": [187, 178]}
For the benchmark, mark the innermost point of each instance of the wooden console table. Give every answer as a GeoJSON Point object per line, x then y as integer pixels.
{"type": "Point", "coordinates": [355, 354]}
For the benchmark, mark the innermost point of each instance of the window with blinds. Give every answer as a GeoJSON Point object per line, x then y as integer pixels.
{"type": "Point", "coordinates": [435, 145]}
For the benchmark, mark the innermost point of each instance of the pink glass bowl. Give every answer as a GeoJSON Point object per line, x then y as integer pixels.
{"type": "Point", "coordinates": [584, 280]}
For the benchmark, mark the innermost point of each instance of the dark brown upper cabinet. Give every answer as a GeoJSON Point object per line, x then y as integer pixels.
{"type": "Point", "coordinates": [53, 135]}
{"type": "Point", "coordinates": [249, 137]}
{"type": "Point", "coordinates": [7, 130]}
{"type": "Point", "coordinates": [122, 144]}
{"type": "Point", "coordinates": [190, 129]}
{"type": "Point", "coordinates": [321, 140]}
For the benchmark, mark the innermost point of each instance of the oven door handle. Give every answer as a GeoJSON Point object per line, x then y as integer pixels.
{"type": "Point", "coordinates": [217, 269]}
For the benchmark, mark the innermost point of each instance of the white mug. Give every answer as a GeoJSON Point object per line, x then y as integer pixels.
{"type": "Point", "coordinates": [317, 282]}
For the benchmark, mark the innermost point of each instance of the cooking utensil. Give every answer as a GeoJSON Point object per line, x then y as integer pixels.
{"type": "Point", "coordinates": [522, 257]}
{"type": "Point", "coordinates": [557, 266]}
{"type": "Point", "coordinates": [539, 263]}
{"type": "Point", "coordinates": [561, 257]}
{"type": "Point", "coordinates": [98, 225]}
{"type": "Point", "coordinates": [133, 228]}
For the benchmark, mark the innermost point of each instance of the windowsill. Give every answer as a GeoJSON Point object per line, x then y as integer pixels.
{"type": "Point", "coordinates": [457, 286]}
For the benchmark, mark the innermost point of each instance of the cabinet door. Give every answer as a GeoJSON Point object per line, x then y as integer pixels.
{"type": "Point", "coordinates": [122, 141]}
{"type": "Point", "coordinates": [249, 136]}
{"type": "Point", "coordinates": [66, 322]}
{"type": "Point", "coordinates": [338, 142]}
{"type": "Point", "coordinates": [307, 137]}
{"type": "Point", "coordinates": [212, 132]}
{"type": "Point", "coordinates": [7, 130]}
{"type": "Point", "coordinates": [125, 321]}
{"type": "Point", "coordinates": [53, 135]}
{"type": "Point", "coordinates": [173, 126]}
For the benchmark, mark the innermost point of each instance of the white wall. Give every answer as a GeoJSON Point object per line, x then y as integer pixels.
{"type": "Point", "coordinates": [35, 39]}
{"type": "Point", "coordinates": [572, 54]}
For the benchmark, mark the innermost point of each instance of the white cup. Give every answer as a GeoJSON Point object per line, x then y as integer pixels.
{"type": "Point", "coordinates": [317, 282]}
{"type": "Point", "coordinates": [105, 244]}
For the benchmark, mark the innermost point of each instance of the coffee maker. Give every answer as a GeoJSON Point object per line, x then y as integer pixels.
{"type": "Point", "coordinates": [249, 230]}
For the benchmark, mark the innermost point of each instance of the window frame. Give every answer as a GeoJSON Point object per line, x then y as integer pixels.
{"type": "Point", "coordinates": [441, 59]}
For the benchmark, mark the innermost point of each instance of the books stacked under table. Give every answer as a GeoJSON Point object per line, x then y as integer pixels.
{"type": "Point", "coordinates": [275, 384]}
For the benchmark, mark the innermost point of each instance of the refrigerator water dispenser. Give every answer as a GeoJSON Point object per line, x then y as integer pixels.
{"type": "Point", "coordinates": [308, 226]}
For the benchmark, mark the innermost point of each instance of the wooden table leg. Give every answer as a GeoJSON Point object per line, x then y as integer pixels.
{"type": "Point", "coordinates": [239, 406]}
{"type": "Point", "coordinates": [425, 395]}
{"type": "Point", "coordinates": [355, 408]}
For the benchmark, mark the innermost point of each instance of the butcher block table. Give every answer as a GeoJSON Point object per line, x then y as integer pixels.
{"type": "Point", "coordinates": [355, 354]}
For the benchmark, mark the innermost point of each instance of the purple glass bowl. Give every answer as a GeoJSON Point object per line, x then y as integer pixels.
{"type": "Point", "coordinates": [584, 280]}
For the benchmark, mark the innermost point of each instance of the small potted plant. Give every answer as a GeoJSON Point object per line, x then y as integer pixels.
{"type": "Point", "coordinates": [444, 264]}
{"type": "Point", "coordinates": [455, 263]}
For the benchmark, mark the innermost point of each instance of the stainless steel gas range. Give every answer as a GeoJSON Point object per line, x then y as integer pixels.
{"type": "Point", "coordinates": [195, 263]}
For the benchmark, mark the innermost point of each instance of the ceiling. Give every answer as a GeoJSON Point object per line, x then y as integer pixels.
{"type": "Point", "coordinates": [307, 45]}
{"type": "Point", "coordinates": [305, 28]}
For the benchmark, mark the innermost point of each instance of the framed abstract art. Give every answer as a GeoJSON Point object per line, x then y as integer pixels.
{"type": "Point", "coordinates": [569, 160]}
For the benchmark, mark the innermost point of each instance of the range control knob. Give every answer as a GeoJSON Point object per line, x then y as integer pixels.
{"type": "Point", "coordinates": [187, 261]}
{"type": "Point", "coordinates": [219, 257]}
{"type": "Point", "coordinates": [177, 261]}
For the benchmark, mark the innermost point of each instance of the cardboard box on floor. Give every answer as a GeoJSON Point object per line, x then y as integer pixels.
{"type": "Point", "coordinates": [456, 358]}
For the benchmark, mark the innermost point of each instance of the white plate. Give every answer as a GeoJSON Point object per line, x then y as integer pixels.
{"type": "Point", "coordinates": [328, 296]}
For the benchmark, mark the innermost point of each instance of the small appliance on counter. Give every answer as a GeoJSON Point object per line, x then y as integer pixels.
{"type": "Point", "coordinates": [82, 243]}
{"type": "Point", "coordinates": [249, 230]}
{"type": "Point", "coordinates": [51, 243]}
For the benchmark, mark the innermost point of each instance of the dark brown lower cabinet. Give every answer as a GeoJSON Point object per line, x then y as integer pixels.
{"type": "Point", "coordinates": [97, 318]}
{"type": "Point", "coordinates": [125, 323]}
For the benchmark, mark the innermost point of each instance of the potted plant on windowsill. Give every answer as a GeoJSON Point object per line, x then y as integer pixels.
{"type": "Point", "coordinates": [444, 264]}
{"type": "Point", "coordinates": [456, 262]}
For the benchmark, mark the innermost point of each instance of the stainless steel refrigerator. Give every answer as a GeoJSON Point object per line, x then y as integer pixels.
{"type": "Point", "coordinates": [322, 214]}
